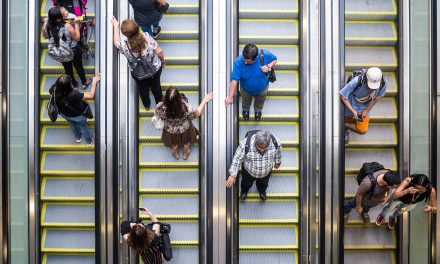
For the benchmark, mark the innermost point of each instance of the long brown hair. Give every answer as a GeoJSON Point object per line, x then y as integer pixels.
{"type": "Point", "coordinates": [176, 108]}
{"type": "Point", "coordinates": [136, 39]}
{"type": "Point", "coordinates": [139, 238]}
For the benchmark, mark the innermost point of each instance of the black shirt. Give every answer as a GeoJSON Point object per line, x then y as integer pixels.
{"type": "Point", "coordinates": [417, 197]}
{"type": "Point", "coordinates": [75, 106]}
{"type": "Point", "coordinates": [145, 12]}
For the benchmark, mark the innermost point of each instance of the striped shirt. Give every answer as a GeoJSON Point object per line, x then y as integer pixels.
{"type": "Point", "coordinates": [259, 166]}
{"type": "Point", "coordinates": [152, 255]}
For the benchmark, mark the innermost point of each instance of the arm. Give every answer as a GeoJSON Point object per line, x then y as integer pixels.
{"type": "Point", "coordinates": [236, 163]}
{"type": "Point", "coordinates": [95, 82]}
{"type": "Point", "coordinates": [359, 199]}
{"type": "Point", "coordinates": [74, 32]}
{"type": "Point", "coordinates": [162, 2]}
{"type": "Point", "coordinates": [205, 100]}
{"type": "Point", "coordinates": [153, 218]}
{"type": "Point", "coordinates": [432, 208]}
{"type": "Point", "coordinates": [401, 190]}
{"type": "Point", "coordinates": [370, 106]}
{"type": "Point", "coordinates": [159, 52]}
{"type": "Point", "coordinates": [116, 33]}
{"type": "Point", "coordinates": [232, 89]}
{"type": "Point", "coordinates": [43, 31]}
{"type": "Point", "coordinates": [278, 158]}
{"type": "Point", "coordinates": [348, 105]}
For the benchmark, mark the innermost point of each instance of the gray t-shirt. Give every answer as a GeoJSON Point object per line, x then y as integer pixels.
{"type": "Point", "coordinates": [378, 194]}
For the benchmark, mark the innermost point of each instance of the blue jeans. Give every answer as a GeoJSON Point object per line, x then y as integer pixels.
{"type": "Point", "coordinates": [78, 125]}
{"type": "Point", "coordinates": [350, 204]}
{"type": "Point", "coordinates": [397, 209]}
{"type": "Point", "coordinates": [149, 28]}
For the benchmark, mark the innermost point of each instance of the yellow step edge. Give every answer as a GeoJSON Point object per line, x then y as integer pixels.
{"type": "Point", "coordinates": [369, 247]}
{"type": "Point", "coordinates": [268, 248]}
{"type": "Point", "coordinates": [268, 221]}
{"type": "Point", "coordinates": [169, 191]}
{"type": "Point", "coordinates": [268, 20]}
{"type": "Point", "coordinates": [267, 11]}
{"type": "Point", "coordinates": [280, 197]}
{"type": "Point", "coordinates": [184, 242]}
{"type": "Point", "coordinates": [68, 224]}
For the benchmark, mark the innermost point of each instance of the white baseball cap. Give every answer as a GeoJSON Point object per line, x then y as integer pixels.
{"type": "Point", "coordinates": [374, 77]}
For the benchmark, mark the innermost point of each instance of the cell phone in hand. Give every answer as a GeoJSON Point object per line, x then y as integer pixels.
{"type": "Point", "coordinates": [360, 117]}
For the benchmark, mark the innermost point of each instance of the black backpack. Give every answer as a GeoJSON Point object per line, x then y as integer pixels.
{"type": "Point", "coordinates": [141, 68]}
{"type": "Point", "coordinates": [248, 137]}
{"type": "Point", "coordinates": [362, 73]}
{"type": "Point", "coordinates": [165, 245]}
{"type": "Point", "coordinates": [367, 170]}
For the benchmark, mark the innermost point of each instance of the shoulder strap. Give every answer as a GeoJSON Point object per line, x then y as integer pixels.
{"type": "Point", "coordinates": [262, 58]}
{"type": "Point", "coordinates": [129, 50]}
{"type": "Point", "coordinates": [373, 184]}
{"type": "Point", "coordinates": [249, 137]}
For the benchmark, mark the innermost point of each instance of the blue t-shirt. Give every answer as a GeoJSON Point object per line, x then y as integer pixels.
{"type": "Point", "coordinates": [360, 98]}
{"type": "Point", "coordinates": [252, 79]}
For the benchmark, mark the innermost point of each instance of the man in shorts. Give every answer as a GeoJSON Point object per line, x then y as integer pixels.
{"type": "Point", "coordinates": [359, 97]}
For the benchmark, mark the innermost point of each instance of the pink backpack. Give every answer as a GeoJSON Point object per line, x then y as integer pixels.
{"type": "Point", "coordinates": [78, 9]}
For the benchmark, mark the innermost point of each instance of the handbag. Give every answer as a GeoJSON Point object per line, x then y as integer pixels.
{"type": "Point", "coordinates": [162, 8]}
{"type": "Point", "coordinates": [157, 122]}
{"type": "Point", "coordinates": [272, 76]}
{"type": "Point", "coordinates": [52, 108]}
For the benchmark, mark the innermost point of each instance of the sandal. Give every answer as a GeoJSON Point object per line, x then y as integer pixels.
{"type": "Point", "coordinates": [186, 153]}
{"type": "Point", "coordinates": [87, 84]}
{"type": "Point", "coordinates": [175, 154]}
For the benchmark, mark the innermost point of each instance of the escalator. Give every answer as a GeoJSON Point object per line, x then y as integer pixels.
{"type": "Point", "coordinates": [170, 187]}
{"type": "Point", "coordinates": [67, 172]}
{"type": "Point", "coordinates": [268, 231]}
{"type": "Point", "coordinates": [371, 36]}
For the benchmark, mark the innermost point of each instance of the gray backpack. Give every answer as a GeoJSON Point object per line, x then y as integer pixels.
{"type": "Point", "coordinates": [61, 52]}
{"type": "Point", "coordinates": [142, 68]}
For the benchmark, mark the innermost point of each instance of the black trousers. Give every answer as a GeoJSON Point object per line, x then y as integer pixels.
{"type": "Point", "coordinates": [144, 86]}
{"type": "Point", "coordinates": [77, 63]}
{"type": "Point", "coordinates": [247, 181]}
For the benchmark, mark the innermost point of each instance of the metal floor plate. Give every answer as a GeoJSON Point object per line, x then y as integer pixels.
{"type": "Point", "coordinates": [279, 184]}
{"type": "Point", "coordinates": [159, 154]}
{"type": "Point", "coordinates": [68, 188]}
{"type": "Point", "coordinates": [370, 9]}
{"type": "Point", "coordinates": [184, 78]}
{"type": "Point", "coordinates": [378, 135]}
{"type": "Point", "coordinates": [287, 83]}
{"type": "Point", "coordinates": [354, 158]}
{"type": "Point", "coordinates": [179, 52]}
{"type": "Point", "coordinates": [268, 236]}
{"type": "Point", "coordinates": [288, 55]}
{"type": "Point", "coordinates": [68, 214]}
{"type": "Point", "coordinates": [268, 257]}
{"type": "Point", "coordinates": [184, 231]}
{"type": "Point", "coordinates": [368, 236]}
{"type": "Point", "coordinates": [273, 104]}
{"type": "Point", "coordinates": [356, 218]}
{"type": "Point", "coordinates": [365, 57]}
{"type": "Point", "coordinates": [48, 65]}
{"type": "Point", "coordinates": [72, 162]}
{"type": "Point", "coordinates": [385, 110]}
{"type": "Point", "coordinates": [280, 9]}
{"type": "Point", "coordinates": [351, 257]}
{"type": "Point", "coordinates": [286, 133]}
{"type": "Point", "coordinates": [268, 31]}
{"type": "Point", "coordinates": [171, 205]}
{"type": "Point", "coordinates": [68, 259]}
{"type": "Point", "coordinates": [184, 255]}
{"type": "Point", "coordinates": [169, 179]}
{"type": "Point", "coordinates": [62, 239]}
{"type": "Point", "coordinates": [179, 27]}
{"type": "Point", "coordinates": [53, 137]}
{"type": "Point", "coordinates": [367, 33]}
{"type": "Point", "coordinates": [269, 210]}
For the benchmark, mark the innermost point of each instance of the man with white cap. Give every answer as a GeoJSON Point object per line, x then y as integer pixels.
{"type": "Point", "coordinates": [359, 96]}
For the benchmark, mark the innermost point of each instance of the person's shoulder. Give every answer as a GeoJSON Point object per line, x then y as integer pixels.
{"type": "Point", "coordinates": [238, 61]}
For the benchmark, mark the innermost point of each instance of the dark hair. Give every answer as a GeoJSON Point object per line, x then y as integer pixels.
{"type": "Point", "coordinates": [250, 52]}
{"type": "Point", "coordinates": [139, 238]}
{"type": "Point", "coordinates": [420, 179]}
{"type": "Point", "coordinates": [176, 108]}
{"type": "Point", "coordinates": [392, 178]}
{"type": "Point", "coordinates": [54, 23]}
{"type": "Point", "coordinates": [63, 86]}
{"type": "Point", "coordinates": [136, 39]}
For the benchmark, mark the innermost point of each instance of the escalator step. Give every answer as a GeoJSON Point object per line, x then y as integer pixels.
{"type": "Point", "coordinates": [68, 259]}
{"type": "Point", "coordinates": [157, 155]}
{"type": "Point", "coordinates": [56, 240]}
{"type": "Point", "coordinates": [384, 111]}
{"type": "Point", "coordinates": [193, 100]}
{"type": "Point", "coordinates": [265, 31]}
{"type": "Point", "coordinates": [280, 186]}
{"type": "Point", "coordinates": [48, 65]}
{"type": "Point", "coordinates": [359, 257]}
{"type": "Point", "coordinates": [60, 138]}
{"type": "Point", "coordinates": [268, 257]}
{"type": "Point", "coordinates": [147, 132]}
{"type": "Point", "coordinates": [391, 79]}
{"type": "Point", "coordinates": [45, 42]}
{"type": "Point", "coordinates": [182, 232]}
{"type": "Point", "coordinates": [68, 189]}
{"type": "Point", "coordinates": [68, 215]}
{"type": "Point", "coordinates": [174, 49]}
{"type": "Point", "coordinates": [169, 180]}
{"type": "Point", "coordinates": [172, 207]}
{"type": "Point", "coordinates": [45, 120]}
{"type": "Point", "coordinates": [355, 219]}
{"type": "Point", "coordinates": [379, 135]}
{"type": "Point", "coordinates": [360, 237]}
{"type": "Point", "coordinates": [48, 80]}
{"type": "Point", "coordinates": [368, 33]}
{"type": "Point", "coordinates": [47, 4]}
{"type": "Point", "coordinates": [288, 55]}
{"type": "Point", "coordinates": [68, 163]}
{"type": "Point", "coordinates": [184, 7]}
{"type": "Point", "coordinates": [182, 77]}
{"type": "Point", "coordinates": [176, 27]}
{"type": "Point", "coordinates": [355, 157]}
{"type": "Point", "coordinates": [185, 255]}
{"type": "Point", "coordinates": [266, 9]}
{"type": "Point", "coordinates": [370, 10]}
{"type": "Point", "coordinates": [365, 57]}
{"type": "Point", "coordinates": [269, 212]}
{"type": "Point", "coordinates": [268, 238]}
{"type": "Point", "coordinates": [286, 132]}
{"type": "Point", "coordinates": [287, 83]}
{"type": "Point", "coordinates": [272, 106]}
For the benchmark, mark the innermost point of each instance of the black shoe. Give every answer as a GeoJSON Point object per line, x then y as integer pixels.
{"type": "Point", "coordinates": [245, 115]}
{"type": "Point", "coordinates": [243, 196]}
{"type": "Point", "coordinates": [347, 137]}
{"type": "Point", "coordinates": [156, 31]}
{"type": "Point", "coordinates": [263, 196]}
{"type": "Point", "coordinates": [258, 116]}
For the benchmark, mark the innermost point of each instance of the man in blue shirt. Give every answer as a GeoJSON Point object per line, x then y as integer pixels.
{"type": "Point", "coordinates": [360, 97]}
{"type": "Point", "coordinates": [253, 79]}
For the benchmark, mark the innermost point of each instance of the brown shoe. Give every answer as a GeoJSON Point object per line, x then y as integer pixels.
{"type": "Point", "coordinates": [186, 153]}
{"type": "Point", "coordinates": [175, 153]}
{"type": "Point", "coordinates": [365, 218]}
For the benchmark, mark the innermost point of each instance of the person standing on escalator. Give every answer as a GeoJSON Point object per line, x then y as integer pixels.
{"type": "Point", "coordinates": [148, 14]}
{"type": "Point", "coordinates": [253, 74]}
{"type": "Point", "coordinates": [359, 96]}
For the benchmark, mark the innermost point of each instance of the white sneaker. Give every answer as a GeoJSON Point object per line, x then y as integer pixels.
{"type": "Point", "coordinates": [78, 140]}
